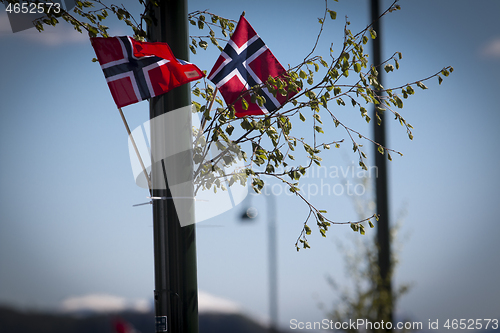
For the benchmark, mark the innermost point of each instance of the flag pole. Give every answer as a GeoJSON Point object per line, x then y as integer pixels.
{"type": "Point", "coordinates": [385, 309]}
{"type": "Point", "coordinates": [204, 121]}
{"type": "Point", "coordinates": [136, 151]}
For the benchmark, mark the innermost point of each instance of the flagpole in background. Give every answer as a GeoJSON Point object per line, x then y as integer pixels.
{"type": "Point", "coordinates": [176, 289]}
{"type": "Point", "coordinates": [381, 188]}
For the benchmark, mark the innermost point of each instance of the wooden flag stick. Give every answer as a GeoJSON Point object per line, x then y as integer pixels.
{"type": "Point", "coordinates": [136, 151]}
{"type": "Point", "coordinates": [203, 122]}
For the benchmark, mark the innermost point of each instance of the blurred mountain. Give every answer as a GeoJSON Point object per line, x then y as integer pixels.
{"type": "Point", "coordinates": [17, 321]}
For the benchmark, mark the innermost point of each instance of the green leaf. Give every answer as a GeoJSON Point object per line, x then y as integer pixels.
{"type": "Point", "coordinates": [357, 67]}
{"type": "Point", "coordinates": [333, 74]}
{"type": "Point", "coordinates": [421, 85]}
{"type": "Point", "coordinates": [310, 94]}
{"type": "Point", "coordinates": [440, 79]}
{"type": "Point", "coordinates": [320, 217]}
{"type": "Point", "coordinates": [307, 229]}
{"type": "Point", "coordinates": [253, 98]}
{"type": "Point", "coordinates": [302, 74]}
{"type": "Point", "coordinates": [380, 150]}
{"type": "Point", "coordinates": [244, 104]}
{"type": "Point", "coordinates": [229, 129]}
{"type": "Point", "coordinates": [269, 168]}
{"type": "Point", "coordinates": [388, 68]}
{"type": "Point", "coordinates": [203, 44]}
{"type": "Point", "coordinates": [197, 105]}
{"type": "Point", "coordinates": [294, 175]}
{"type": "Point", "coordinates": [373, 33]}
{"type": "Point", "coordinates": [371, 224]}
{"type": "Point", "coordinates": [301, 116]}
{"type": "Point", "coordinates": [399, 102]}
{"type": "Point", "coordinates": [361, 229]}
{"type": "Point", "coordinates": [261, 100]}
{"type": "Point", "coordinates": [333, 15]}
{"type": "Point", "coordinates": [93, 31]}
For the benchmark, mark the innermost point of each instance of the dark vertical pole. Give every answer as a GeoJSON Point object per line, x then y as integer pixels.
{"type": "Point", "coordinates": [273, 263]}
{"type": "Point", "coordinates": [176, 290]}
{"type": "Point", "coordinates": [383, 237]}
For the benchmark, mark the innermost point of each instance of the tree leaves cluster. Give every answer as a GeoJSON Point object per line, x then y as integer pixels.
{"type": "Point", "coordinates": [216, 23]}
{"type": "Point", "coordinates": [268, 145]}
{"type": "Point", "coordinates": [321, 85]}
{"type": "Point", "coordinates": [366, 295]}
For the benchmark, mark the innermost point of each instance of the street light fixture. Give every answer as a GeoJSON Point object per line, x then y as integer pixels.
{"type": "Point", "coordinates": [249, 214]}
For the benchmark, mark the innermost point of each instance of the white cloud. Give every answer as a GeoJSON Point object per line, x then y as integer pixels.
{"type": "Point", "coordinates": [492, 49]}
{"type": "Point", "coordinates": [211, 303]}
{"type": "Point", "coordinates": [63, 34]}
{"type": "Point", "coordinates": [103, 303]}
{"type": "Point", "coordinates": [208, 303]}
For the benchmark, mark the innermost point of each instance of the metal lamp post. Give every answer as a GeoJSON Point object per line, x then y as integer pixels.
{"type": "Point", "coordinates": [251, 213]}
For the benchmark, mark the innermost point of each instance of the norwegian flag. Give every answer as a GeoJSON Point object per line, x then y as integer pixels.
{"type": "Point", "coordinates": [136, 71]}
{"type": "Point", "coordinates": [245, 62]}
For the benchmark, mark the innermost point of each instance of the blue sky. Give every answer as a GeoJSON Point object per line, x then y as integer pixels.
{"type": "Point", "coordinates": [68, 228]}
